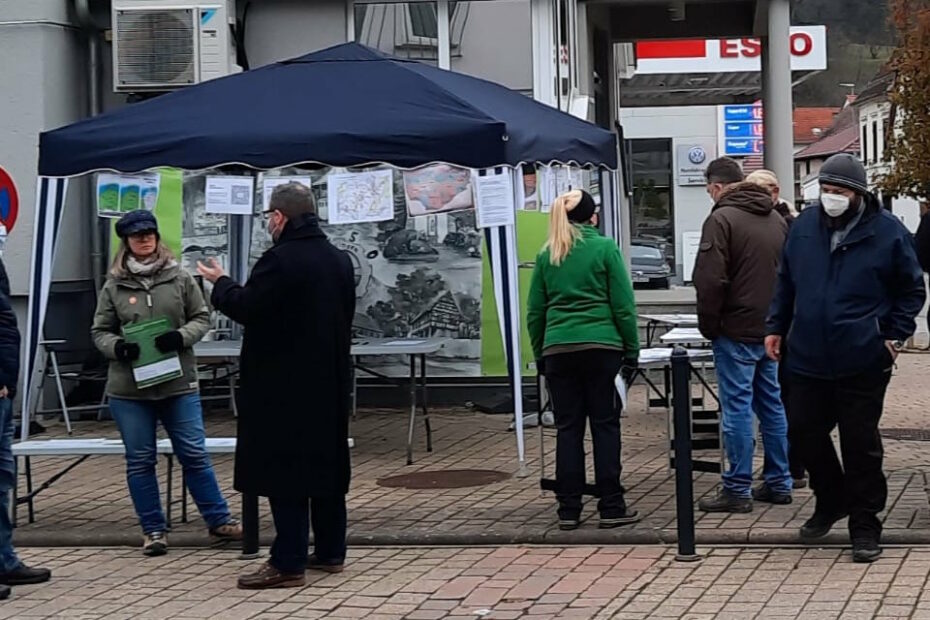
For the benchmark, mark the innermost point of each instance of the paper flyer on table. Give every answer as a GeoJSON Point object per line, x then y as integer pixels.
{"type": "Point", "coordinates": [495, 200]}
{"type": "Point", "coordinates": [231, 195]}
{"type": "Point", "coordinates": [118, 194]}
{"type": "Point", "coordinates": [355, 197]}
{"type": "Point", "coordinates": [269, 183]}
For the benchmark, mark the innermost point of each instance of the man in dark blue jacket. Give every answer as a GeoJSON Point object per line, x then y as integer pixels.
{"type": "Point", "coordinates": [12, 570]}
{"type": "Point", "coordinates": [849, 288]}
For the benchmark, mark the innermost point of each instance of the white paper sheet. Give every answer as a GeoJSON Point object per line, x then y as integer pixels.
{"type": "Point", "coordinates": [269, 183]}
{"type": "Point", "coordinates": [230, 194]}
{"type": "Point", "coordinates": [356, 197]}
{"type": "Point", "coordinates": [620, 384]}
{"type": "Point", "coordinates": [495, 200]}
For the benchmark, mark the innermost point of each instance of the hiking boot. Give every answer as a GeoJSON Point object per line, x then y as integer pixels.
{"type": "Point", "coordinates": [231, 530]}
{"type": "Point", "coordinates": [22, 575]}
{"type": "Point", "coordinates": [724, 501]}
{"type": "Point", "coordinates": [764, 493]}
{"type": "Point", "coordinates": [799, 483]}
{"type": "Point", "coordinates": [819, 524]}
{"type": "Point", "coordinates": [327, 566]}
{"type": "Point", "coordinates": [865, 550]}
{"type": "Point", "coordinates": [267, 576]}
{"type": "Point", "coordinates": [155, 544]}
{"type": "Point", "coordinates": [5, 592]}
{"type": "Point", "coordinates": [617, 518]}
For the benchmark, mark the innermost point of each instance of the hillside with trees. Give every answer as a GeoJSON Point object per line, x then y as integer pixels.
{"type": "Point", "coordinates": [860, 40]}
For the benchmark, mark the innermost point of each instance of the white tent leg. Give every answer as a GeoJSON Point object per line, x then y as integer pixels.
{"type": "Point", "coordinates": [50, 199]}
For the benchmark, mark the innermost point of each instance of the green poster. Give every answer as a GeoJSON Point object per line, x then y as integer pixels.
{"type": "Point", "coordinates": [169, 209]}
{"type": "Point", "coordinates": [532, 231]}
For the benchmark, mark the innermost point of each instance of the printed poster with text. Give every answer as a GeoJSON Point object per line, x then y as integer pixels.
{"type": "Point", "coordinates": [168, 210]}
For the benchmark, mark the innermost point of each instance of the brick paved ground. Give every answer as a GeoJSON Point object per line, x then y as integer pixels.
{"type": "Point", "coordinates": [92, 504]}
{"type": "Point", "coordinates": [508, 582]}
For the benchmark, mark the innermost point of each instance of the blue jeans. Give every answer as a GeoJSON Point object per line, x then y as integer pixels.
{"type": "Point", "coordinates": [182, 418]}
{"type": "Point", "coordinates": [748, 382]}
{"type": "Point", "coordinates": [8, 559]}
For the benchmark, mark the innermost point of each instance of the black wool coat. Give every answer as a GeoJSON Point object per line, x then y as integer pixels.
{"type": "Point", "coordinates": [296, 309]}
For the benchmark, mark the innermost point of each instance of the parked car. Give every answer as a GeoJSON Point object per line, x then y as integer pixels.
{"type": "Point", "coordinates": [648, 267]}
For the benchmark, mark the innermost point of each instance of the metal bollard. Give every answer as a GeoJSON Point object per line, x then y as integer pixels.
{"type": "Point", "coordinates": [684, 483]}
{"type": "Point", "coordinates": [249, 527]}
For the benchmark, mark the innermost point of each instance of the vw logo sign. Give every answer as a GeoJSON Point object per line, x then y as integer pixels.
{"type": "Point", "coordinates": [697, 155]}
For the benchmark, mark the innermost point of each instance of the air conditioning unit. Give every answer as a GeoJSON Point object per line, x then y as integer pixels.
{"type": "Point", "coordinates": [163, 45]}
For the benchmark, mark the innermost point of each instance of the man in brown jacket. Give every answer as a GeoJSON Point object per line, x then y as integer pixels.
{"type": "Point", "coordinates": [735, 278]}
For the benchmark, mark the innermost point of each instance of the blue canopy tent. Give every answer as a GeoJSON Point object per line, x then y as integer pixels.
{"type": "Point", "coordinates": [345, 106]}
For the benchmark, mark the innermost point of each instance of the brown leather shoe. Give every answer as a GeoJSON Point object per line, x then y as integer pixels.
{"type": "Point", "coordinates": [231, 530]}
{"type": "Point", "coordinates": [267, 576]}
{"type": "Point", "coordinates": [315, 563]}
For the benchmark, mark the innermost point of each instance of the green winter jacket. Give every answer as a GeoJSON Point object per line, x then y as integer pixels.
{"type": "Point", "coordinates": [588, 299]}
{"type": "Point", "coordinates": [174, 295]}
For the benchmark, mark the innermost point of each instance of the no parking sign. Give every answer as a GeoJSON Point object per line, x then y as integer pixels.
{"type": "Point", "coordinates": [9, 200]}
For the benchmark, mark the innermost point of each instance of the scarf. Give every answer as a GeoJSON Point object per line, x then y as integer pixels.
{"type": "Point", "coordinates": [145, 271]}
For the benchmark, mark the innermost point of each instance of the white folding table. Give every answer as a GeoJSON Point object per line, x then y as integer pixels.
{"type": "Point", "coordinates": [654, 322]}
{"type": "Point", "coordinates": [412, 348]}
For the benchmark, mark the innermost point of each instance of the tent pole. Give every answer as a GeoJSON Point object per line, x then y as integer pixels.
{"type": "Point", "coordinates": [516, 361]}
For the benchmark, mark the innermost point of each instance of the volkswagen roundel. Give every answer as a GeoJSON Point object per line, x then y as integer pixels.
{"type": "Point", "coordinates": [697, 155]}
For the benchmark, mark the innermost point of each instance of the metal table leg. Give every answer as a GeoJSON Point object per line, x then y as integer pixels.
{"type": "Point", "coordinates": [168, 490]}
{"type": "Point", "coordinates": [413, 408]}
{"type": "Point", "coordinates": [31, 504]}
{"type": "Point", "coordinates": [424, 402]}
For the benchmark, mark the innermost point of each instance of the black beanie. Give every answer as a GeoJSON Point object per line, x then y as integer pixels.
{"type": "Point", "coordinates": [845, 170]}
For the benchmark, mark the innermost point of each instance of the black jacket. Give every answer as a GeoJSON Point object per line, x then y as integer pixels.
{"type": "Point", "coordinates": [9, 346]}
{"type": "Point", "coordinates": [838, 307]}
{"type": "Point", "coordinates": [297, 309]}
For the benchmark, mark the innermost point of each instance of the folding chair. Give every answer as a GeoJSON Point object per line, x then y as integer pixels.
{"type": "Point", "coordinates": [51, 367]}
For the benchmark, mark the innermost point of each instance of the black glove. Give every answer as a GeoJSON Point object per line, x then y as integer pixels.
{"type": "Point", "coordinates": [170, 342]}
{"type": "Point", "coordinates": [126, 351]}
{"type": "Point", "coordinates": [628, 369]}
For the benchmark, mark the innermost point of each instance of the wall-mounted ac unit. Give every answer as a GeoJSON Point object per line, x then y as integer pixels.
{"type": "Point", "coordinates": [163, 45]}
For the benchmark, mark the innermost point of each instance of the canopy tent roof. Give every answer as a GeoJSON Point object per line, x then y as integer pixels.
{"type": "Point", "coordinates": [347, 105]}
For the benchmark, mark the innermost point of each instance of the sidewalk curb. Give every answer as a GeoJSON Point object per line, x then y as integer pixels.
{"type": "Point", "coordinates": [586, 535]}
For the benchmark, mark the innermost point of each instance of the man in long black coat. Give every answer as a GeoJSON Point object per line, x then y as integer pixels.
{"type": "Point", "coordinates": [292, 446]}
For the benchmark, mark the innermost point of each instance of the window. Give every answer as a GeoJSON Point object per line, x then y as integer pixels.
{"type": "Point", "coordinates": [424, 20]}
{"type": "Point", "coordinates": [886, 138]}
{"type": "Point", "coordinates": [864, 147]}
{"type": "Point", "coordinates": [653, 216]}
{"type": "Point", "coordinates": [875, 146]}
{"type": "Point", "coordinates": [409, 29]}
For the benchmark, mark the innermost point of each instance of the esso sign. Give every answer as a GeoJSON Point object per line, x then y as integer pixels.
{"type": "Point", "coordinates": [801, 44]}
{"type": "Point", "coordinates": [808, 45]}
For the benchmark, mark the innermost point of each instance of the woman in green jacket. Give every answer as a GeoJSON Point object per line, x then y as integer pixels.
{"type": "Point", "coordinates": [582, 323]}
{"type": "Point", "coordinates": [147, 283]}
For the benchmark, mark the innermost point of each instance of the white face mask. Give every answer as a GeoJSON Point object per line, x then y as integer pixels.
{"type": "Point", "coordinates": [834, 205]}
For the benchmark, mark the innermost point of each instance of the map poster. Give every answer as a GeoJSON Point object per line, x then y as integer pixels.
{"type": "Point", "coordinates": [357, 197]}
{"type": "Point", "coordinates": [440, 188]}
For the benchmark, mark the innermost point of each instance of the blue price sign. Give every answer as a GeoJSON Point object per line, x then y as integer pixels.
{"type": "Point", "coordinates": [749, 146]}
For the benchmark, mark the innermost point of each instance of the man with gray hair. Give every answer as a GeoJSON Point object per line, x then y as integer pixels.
{"type": "Point", "coordinates": [293, 427]}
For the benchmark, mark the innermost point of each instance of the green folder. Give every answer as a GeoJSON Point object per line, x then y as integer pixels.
{"type": "Point", "coordinates": [153, 367]}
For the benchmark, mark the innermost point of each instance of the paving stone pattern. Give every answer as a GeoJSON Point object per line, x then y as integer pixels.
{"type": "Point", "coordinates": [93, 500]}
{"type": "Point", "coordinates": [416, 583]}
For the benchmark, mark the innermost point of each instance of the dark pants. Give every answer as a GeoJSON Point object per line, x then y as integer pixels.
{"type": "Point", "coordinates": [795, 462]}
{"type": "Point", "coordinates": [582, 386]}
{"type": "Point", "coordinates": [855, 405]}
{"type": "Point", "coordinates": [292, 522]}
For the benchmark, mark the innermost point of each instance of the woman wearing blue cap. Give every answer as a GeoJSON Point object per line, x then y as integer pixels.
{"type": "Point", "coordinates": [146, 283]}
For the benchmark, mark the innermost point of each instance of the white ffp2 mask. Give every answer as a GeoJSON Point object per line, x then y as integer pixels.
{"type": "Point", "coordinates": [834, 205]}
